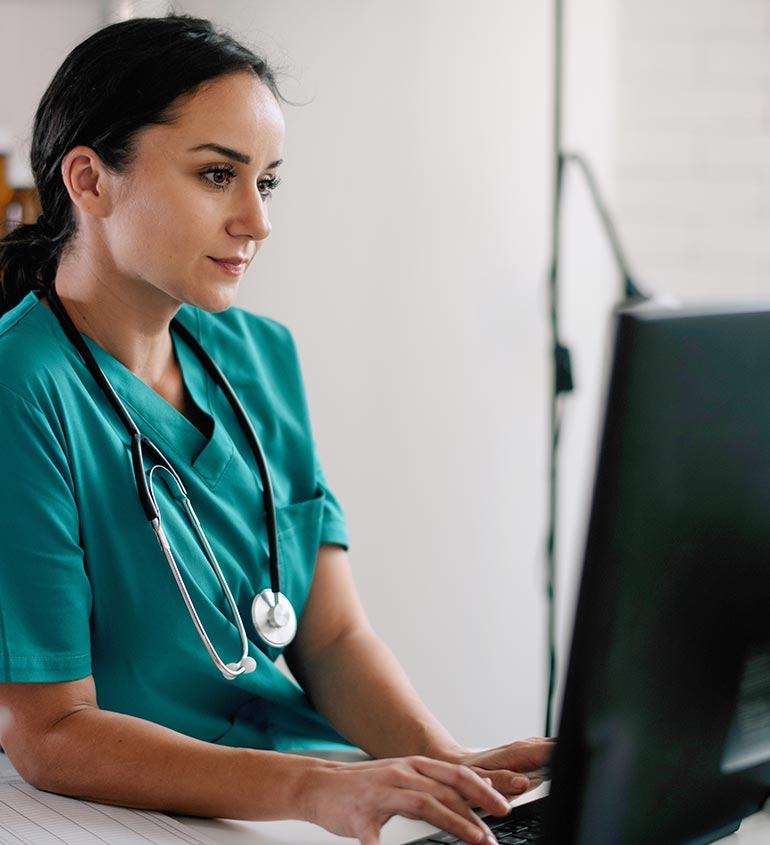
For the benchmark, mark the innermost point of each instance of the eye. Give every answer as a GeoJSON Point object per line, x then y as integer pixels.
{"type": "Point", "coordinates": [268, 185]}
{"type": "Point", "coordinates": [219, 176]}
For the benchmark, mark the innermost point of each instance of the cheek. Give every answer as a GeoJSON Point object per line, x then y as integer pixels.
{"type": "Point", "coordinates": [171, 228]}
{"type": "Point", "coordinates": [184, 221]}
{"type": "Point", "coordinates": [162, 220]}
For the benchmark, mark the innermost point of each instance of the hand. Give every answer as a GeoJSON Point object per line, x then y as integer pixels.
{"type": "Point", "coordinates": [512, 768]}
{"type": "Point", "coordinates": [357, 799]}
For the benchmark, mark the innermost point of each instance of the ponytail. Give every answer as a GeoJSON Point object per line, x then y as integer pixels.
{"type": "Point", "coordinates": [29, 256]}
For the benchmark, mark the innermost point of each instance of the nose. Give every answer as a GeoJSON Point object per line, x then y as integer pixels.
{"type": "Point", "coordinates": [251, 218]}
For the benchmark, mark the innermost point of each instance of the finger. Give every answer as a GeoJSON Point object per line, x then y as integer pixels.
{"type": "Point", "coordinates": [369, 836]}
{"type": "Point", "coordinates": [521, 756]}
{"type": "Point", "coordinates": [507, 782]}
{"type": "Point", "coordinates": [463, 824]}
{"type": "Point", "coordinates": [412, 779]}
{"type": "Point", "coordinates": [542, 751]}
{"type": "Point", "coordinates": [470, 785]}
{"type": "Point", "coordinates": [537, 776]}
{"type": "Point", "coordinates": [524, 756]}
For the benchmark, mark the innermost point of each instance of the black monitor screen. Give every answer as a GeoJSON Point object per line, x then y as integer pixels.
{"type": "Point", "coordinates": [665, 724]}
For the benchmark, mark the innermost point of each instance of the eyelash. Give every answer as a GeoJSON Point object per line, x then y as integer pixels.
{"type": "Point", "coordinates": [266, 186]}
{"type": "Point", "coordinates": [216, 171]}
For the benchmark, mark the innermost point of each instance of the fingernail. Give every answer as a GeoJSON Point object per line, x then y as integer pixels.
{"type": "Point", "coordinates": [486, 834]}
{"type": "Point", "coordinates": [504, 802]}
{"type": "Point", "coordinates": [487, 838]}
{"type": "Point", "coordinates": [520, 783]}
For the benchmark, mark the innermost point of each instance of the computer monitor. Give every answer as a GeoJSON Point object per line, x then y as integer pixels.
{"type": "Point", "coordinates": [665, 722]}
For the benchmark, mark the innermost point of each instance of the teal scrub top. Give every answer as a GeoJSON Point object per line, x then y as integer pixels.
{"type": "Point", "coordinates": [84, 586]}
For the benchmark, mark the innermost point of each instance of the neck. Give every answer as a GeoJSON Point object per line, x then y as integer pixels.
{"type": "Point", "coordinates": [131, 325]}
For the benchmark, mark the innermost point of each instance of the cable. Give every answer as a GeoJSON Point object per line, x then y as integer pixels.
{"type": "Point", "coordinates": [630, 289]}
{"type": "Point", "coordinates": [562, 375]}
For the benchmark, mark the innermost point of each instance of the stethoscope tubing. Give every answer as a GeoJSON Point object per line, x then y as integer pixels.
{"type": "Point", "coordinates": [256, 447]}
{"type": "Point", "coordinates": [141, 445]}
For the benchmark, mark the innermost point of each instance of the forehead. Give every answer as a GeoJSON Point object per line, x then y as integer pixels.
{"type": "Point", "coordinates": [237, 110]}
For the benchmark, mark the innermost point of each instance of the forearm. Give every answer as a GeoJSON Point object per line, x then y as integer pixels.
{"type": "Point", "coordinates": [360, 687]}
{"type": "Point", "coordinates": [117, 759]}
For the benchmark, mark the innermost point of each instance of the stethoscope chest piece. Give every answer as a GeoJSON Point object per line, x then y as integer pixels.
{"type": "Point", "coordinates": [274, 618]}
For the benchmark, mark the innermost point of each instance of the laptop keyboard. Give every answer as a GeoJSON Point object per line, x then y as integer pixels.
{"type": "Point", "coordinates": [522, 826]}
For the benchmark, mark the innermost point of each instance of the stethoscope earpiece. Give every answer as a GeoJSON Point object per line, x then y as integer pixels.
{"type": "Point", "coordinates": [243, 667]}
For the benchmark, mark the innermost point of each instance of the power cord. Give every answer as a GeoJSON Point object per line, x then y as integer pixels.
{"type": "Point", "coordinates": [563, 379]}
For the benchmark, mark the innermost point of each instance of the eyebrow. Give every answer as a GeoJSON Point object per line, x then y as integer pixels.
{"type": "Point", "coordinates": [228, 152]}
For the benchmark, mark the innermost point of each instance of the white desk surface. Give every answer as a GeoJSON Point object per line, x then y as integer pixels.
{"type": "Point", "coordinates": [754, 830]}
{"type": "Point", "coordinates": [397, 831]}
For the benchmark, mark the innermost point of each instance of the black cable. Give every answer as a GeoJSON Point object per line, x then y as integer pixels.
{"type": "Point", "coordinates": [630, 289]}
{"type": "Point", "coordinates": [563, 381]}
{"type": "Point", "coordinates": [562, 373]}
{"type": "Point", "coordinates": [251, 435]}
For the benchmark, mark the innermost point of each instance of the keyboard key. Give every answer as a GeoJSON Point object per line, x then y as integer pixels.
{"type": "Point", "coordinates": [523, 826]}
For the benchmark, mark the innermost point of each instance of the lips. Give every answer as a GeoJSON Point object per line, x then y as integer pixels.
{"type": "Point", "coordinates": [232, 265]}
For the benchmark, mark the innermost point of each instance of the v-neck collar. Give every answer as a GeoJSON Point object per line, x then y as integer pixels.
{"type": "Point", "coordinates": [172, 432]}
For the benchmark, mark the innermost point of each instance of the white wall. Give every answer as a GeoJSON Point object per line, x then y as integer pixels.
{"type": "Point", "coordinates": [37, 34]}
{"type": "Point", "coordinates": [590, 283]}
{"type": "Point", "coordinates": [694, 129]}
{"type": "Point", "coordinates": [409, 257]}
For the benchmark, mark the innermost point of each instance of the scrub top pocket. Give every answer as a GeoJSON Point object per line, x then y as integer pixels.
{"type": "Point", "coordinates": [299, 527]}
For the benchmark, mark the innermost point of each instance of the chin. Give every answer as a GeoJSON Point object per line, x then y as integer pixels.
{"type": "Point", "coordinates": [214, 302]}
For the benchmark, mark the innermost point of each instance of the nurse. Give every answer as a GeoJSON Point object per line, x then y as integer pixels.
{"type": "Point", "coordinates": [155, 151]}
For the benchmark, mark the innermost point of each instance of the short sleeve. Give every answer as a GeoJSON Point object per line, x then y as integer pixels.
{"type": "Point", "coordinates": [288, 369]}
{"type": "Point", "coordinates": [334, 528]}
{"type": "Point", "coordinates": [45, 595]}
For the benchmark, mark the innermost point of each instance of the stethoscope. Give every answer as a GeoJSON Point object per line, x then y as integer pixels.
{"type": "Point", "coordinates": [271, 611]}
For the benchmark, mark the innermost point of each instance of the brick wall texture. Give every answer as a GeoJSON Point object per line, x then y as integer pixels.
{"type": "Point", "coordinates": [693, 149]}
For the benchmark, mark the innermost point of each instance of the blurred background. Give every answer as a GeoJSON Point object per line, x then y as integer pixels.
{"type": "Point", "coordinates": [410, 255]}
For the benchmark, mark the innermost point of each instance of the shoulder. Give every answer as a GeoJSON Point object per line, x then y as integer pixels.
{"type": "Point", "coordinates": [20, 328]}
{"type": "Point", "coordinates": [37, 384]}
{"type": "Point", "coordinates": [32, 351]}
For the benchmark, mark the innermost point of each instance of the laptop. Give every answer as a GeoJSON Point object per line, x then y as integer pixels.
{"type": "Point", "coordinates": [664, 732]}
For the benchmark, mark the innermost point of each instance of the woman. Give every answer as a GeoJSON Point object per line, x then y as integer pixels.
{"type": "Point", "coordinates": [155, 151]}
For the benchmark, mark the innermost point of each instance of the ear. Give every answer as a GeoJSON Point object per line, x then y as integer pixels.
{"type": "Point", "coordinates": [87, 181]}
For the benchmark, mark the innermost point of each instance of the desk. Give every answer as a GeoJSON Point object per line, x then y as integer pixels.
{"type": "Point", "coordinates": [754, 831]}
{"type": "Point", "coordinates": [395, 832]}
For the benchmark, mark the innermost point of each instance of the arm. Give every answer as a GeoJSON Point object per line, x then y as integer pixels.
{"type": "Point", "coordinates": [60, 741]}
{"type": "Point", "coordinates": [336, 649]}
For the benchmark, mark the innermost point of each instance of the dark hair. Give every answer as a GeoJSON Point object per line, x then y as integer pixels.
{"type": "Point", "coordinates": [124, 77]}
